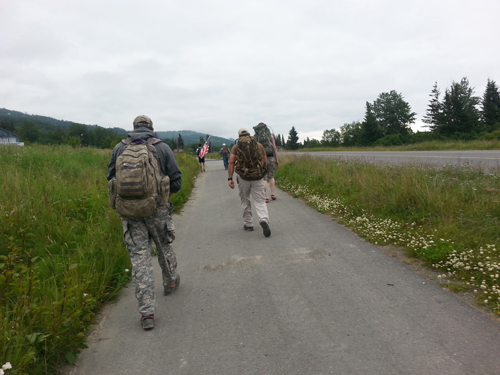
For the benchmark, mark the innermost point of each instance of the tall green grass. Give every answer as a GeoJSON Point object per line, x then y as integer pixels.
{"type": "Point", "coordinates": [61, 251]}
{"type": "Point", "coordinates": [448, 217]}
{"type": "Point", "coordinates": [189, 168]}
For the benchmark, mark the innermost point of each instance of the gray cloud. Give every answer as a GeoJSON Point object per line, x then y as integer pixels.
{"type": "Point", "coordinates": [216, 66]}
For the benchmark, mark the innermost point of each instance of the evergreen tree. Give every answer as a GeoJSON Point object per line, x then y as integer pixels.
{"type": "Point", "coordinates": [393, 114]}
{"type": "Point", "coordinates": [490, 108]}
{"type": "Point", "coordinates": [434, 115]}
{"type": "Point", "coordinates": [180, 141]}
{"type": "Point", "coordinates": [370, 131]}
{"type": "Point", "coordinates": [277, 140]}
{"type": "Point", "coordinates": [293, 139]}
{"type": "Point", "coordinates": [459, 112]}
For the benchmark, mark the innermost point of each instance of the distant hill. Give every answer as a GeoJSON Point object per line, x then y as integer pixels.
{"type": "Point", "coordinates": [13, 119]}
{"type": "Point", "coordinates": [191, 137]}
{"type": "Point", "coordinates": [17, 118]}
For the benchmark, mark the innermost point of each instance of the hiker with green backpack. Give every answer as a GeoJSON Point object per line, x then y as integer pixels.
{"type": "Point", "coordinates": [266, 139]}
{"type": "Point", "coordinates": [142, 175]}
{"type": "Point", "coordinates": [248, 159]}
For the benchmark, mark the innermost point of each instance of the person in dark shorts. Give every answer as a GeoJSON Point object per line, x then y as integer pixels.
{"type": "Point", "coordinates": [200, 160]}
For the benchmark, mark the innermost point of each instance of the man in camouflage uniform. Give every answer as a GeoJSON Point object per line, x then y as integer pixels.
{"type": "Point", "coordinates": [158, 227]}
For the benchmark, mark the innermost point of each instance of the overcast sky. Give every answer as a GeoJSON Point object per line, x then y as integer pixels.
{"type": "Point", "coordinates": [214, 66]}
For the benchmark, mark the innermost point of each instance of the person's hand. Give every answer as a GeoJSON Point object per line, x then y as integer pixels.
{"type": "Point", "coordinates": [231, 184]}
{"type": "Point", "coordinates": [276, 163]}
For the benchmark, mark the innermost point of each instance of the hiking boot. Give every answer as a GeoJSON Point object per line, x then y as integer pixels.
{"type": "Point", "coordinates": [248, 228]}
{"type": "Point", "coordinates": [265, 228]}
{"type": "Point", "coordinates": [148, 322]}
{"type": "Point", "coordinates": [170, 289]}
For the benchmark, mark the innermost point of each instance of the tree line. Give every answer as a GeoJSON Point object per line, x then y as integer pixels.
{"type": "Point", "coordinates": [75, 134]}
{"type": "Point", "coordinates": [458, 114]}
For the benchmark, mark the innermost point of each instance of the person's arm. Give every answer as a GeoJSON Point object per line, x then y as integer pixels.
{"type": "Point", "coordinates": [169, 167]}
{"type": "Point", "coordinates": [230, 167]}
{"type": "Point", "coordinates": [112, 162]}
{"type": "Point", "coordinates": [275, 152]}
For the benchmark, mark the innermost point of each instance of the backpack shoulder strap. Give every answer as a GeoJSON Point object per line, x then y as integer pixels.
{"type": "Point", "coordinates": [153, 140]}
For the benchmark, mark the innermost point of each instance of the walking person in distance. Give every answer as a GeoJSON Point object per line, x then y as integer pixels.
{"type": "Point", "coordinates": [224, 153]}
{"type": "Point", "coordinates": [266, 139]}
{"type": "Point", "coordinates": [248, 159]}
{"type": "Point", "coordinates": [200, 160]}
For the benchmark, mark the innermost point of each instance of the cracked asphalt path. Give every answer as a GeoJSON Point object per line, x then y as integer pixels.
{"type": "Point", "coordinates": [313, 298]}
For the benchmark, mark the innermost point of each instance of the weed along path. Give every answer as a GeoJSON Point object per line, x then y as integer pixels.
{"type": "Point", "coordinates": [311, 299]}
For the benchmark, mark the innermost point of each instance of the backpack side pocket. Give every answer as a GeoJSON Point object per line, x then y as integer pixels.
{"type": "Point", "coordinates": [164, 191]}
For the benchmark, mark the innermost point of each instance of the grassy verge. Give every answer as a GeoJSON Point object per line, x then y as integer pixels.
{"type": "Point", "coordinates": [61, 251]}
{"type": "Point", "coordinates": [189, 168]}
{"type": "Point", "coordinates": [449, 218]}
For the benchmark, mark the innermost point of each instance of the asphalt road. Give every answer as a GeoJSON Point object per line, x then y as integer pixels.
{"type": "Point", "coordinates": [311, 299]}
{"type": "Point", "coordinates": [488, 160]}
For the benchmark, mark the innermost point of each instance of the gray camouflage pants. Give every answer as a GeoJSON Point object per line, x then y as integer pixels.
{"type": "Point", "coordinates": [137, 234]}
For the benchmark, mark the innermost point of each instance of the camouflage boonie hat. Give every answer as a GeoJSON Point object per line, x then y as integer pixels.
{"type": "Point", "coordinates": [143, 121]}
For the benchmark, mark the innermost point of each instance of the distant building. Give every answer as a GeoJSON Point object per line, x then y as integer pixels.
{"type": "Point", "coordinates": [8, 138]}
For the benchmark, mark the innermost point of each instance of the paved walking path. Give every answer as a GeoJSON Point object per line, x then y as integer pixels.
{"type": "Point", "coordinates": [311, 299]}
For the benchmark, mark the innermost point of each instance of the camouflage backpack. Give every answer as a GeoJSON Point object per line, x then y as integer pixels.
{"type": "Point", "coordinates": [138, 188]}
{"type": "Point", "coordinates": [249, 159]}
{"type": "Point", "coordinates": [263, 136]}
